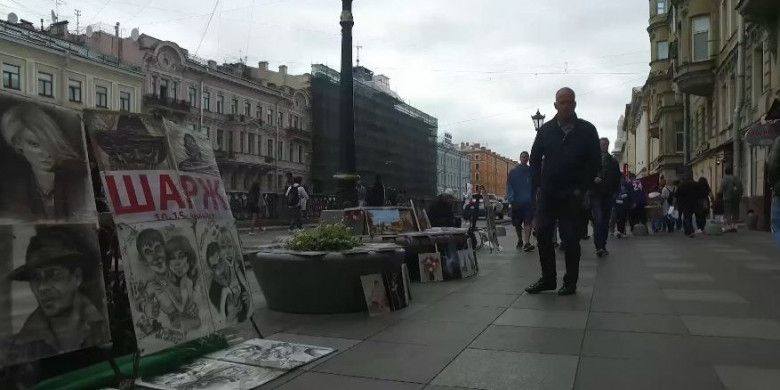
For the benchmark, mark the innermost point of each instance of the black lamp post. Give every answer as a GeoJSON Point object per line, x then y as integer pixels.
{"type": "Point", "coordinates": [538, 119]}
{"type": "Point", "coordinates": [347, 176]}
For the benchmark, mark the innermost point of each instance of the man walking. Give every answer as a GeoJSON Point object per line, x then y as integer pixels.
{"type": "Point", "coordinates": [521, 198]}
{"type": "Point", "coordinates": [296, 197]}
{"type": "Point", "coordinates": [569, 147]}
{"type": "Point", "coordinates": [731, 193]}
{"type": "Point", "coordinates": [603, 199]}
{"type": "Point", "coordinates": [687, 202]}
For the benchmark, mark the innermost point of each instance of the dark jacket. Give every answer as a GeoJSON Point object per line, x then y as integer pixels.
{"type": "Point", "coordinates": [773, 167]}
{"type": "Point", "coordinates": [610, 176]}
{"type": "Point", "coordinates": [442, 214]}
{"type": "Point", "coordinates": [688, 196]}
{"type": "Point", "coordinates": [571, 161]}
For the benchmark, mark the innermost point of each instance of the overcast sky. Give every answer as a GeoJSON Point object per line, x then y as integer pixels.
{"type": "Point", "coordinates": [481, 67]}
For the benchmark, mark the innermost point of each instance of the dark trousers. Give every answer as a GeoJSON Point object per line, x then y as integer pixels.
{"type": "Point", "coordinates": [568, 213]}
{"type": "Point", "coordinates": [295, 218]}
{"type": "Point", "coordinates": [638, 216]}
{"type": "Point", "coordinates": [621, 215]}
{"type": "Point", "coordinates": [687, 221]}
{"type": "Point", "coordinates": [701, 218]}
{"type": "Point", "coordinates": [601, 207]}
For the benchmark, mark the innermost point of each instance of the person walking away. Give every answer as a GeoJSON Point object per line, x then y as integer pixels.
{"type": "Point", "coordinates": [637, 214]}
{"type": "Point", "coordinates": [296, 195]}
{"type": "Point", "coordinates": [519, 196]}
{"type": "Point", "coordinates": [704, 204]}
{"type": "Point", "coordinates": [254, 202]}
{"type": "Point", "coordinates": [441, 211]}
{"type": "Point", "coordinates": [361, 191]}
{"type": "Point", "coordinates": [688, 202]}
{"type": "Point", "coordinates": [773, 175]}
{"type": "Point", "coordinates": [667, 197]}
{"type": "Point", "coordinates": [731, 193]}
{"type": "Point", "coordinates": [570, 149]}
{"type": "Point", "coordinates": [678, 220]}
{"type": "Point", "coordinates": [605, 188]}
{"type": "Point", "coordinates": [622, 206]}
{"type": "Point", "coordinates": [377, 196]}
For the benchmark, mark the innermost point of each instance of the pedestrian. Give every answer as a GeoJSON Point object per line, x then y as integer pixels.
{"type": "Point", "coordinates": [605, 189]}
{"type": "Point", "coordinates": [773, 175]}
{"type": "Point", "coordinates": [376, 198]}
{"type": "Point", "coordinates": [520, 197]}
{"type": "Point", "coordinates": [667, 205]}
{"type": "Point", "coordinates": [731, 193]}
{"type": "Point", "coordinates": [569, 147]}
{"type": "Point", "coordinates": [704, 204]}
{"type": "Point", "coordinates": [688, 202]}
{"type": "Point", "coordinates": [296, 196]}
{"type": "Point", "coordinates": [678, 219]}
{"type": "Point", "coordinates": [254, 200]}
{"type": "Point", "coordinates": [638, 213]}
{"type": "Point", "coordinates": [441, 212]}
{"type": "Point", "coordinates": [622, 206]}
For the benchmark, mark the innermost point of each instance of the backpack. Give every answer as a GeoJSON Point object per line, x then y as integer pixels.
{"type": "Point", "coordinates": [293, 197]}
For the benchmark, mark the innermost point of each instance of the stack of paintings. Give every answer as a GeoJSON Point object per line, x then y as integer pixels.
{"type": "Point", "coordinates": [51, 280]}
{"type": "Point", "coordinates": [387, 291]}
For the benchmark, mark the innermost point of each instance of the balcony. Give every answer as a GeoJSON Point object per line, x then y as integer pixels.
{"type": "Point", "coordinates": [760, 11]}
{"type": "Point", "coordinates": [300, 134]}
{"type": "Point", "coordinates": [654, 130]}
{"type": "Point", "coordinates": [155, 101]}
{"type": "Point", "coordinates": [696, 78]}
{"type": "Point", "coordinates": [224, 155]}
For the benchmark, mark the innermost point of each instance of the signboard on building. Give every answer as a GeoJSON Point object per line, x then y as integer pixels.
{"type": "Point", "coordinates": [763, 134]}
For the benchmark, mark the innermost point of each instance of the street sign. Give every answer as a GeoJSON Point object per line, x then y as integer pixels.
{"type": "Point", "coordinates": [763, 134]}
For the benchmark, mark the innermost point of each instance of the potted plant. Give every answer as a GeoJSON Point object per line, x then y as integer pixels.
{"type": "Point", "coordinates": [318, 270]}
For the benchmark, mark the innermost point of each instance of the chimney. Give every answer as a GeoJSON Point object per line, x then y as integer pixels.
{"type": "Point", "coordinates": [26, 24]}
{"type": "Point", "coordinates": [59, 29]}
{"type": "Point", "coordinates": [263, 65]}
{"type": "Point", "coordinates": [212, 64]}
{"type": "Point", "coordinates": [283, 69]}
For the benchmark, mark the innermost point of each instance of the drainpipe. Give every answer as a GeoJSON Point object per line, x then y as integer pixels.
{"type": "Point", "coordinates": [737, 163]}
{"type": "Point", "coordinates": [686, 130]}
{"type": "Point", "coordinates": [200, 112]}
{"type": "Point", "coordinates": [275, 118]}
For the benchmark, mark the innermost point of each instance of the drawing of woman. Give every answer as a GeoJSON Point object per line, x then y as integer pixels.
{"type": "Point", "coordinates": [181, 262]}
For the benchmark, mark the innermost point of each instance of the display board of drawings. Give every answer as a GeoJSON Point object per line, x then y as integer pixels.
{"type": "Point", "coordinates": [243, 366]}
{"type": "Point", "coordinates": [52, 298]}
{"type": "Point", "coordinates": [179, 244]}
{"type": "Point", "coordinates": [447, 262]}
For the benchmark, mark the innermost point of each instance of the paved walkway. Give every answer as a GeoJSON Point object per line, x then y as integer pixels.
{"type": "Point", "coordinates": [663, 312]}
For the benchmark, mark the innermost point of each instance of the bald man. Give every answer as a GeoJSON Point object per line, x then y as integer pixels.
{"type": "Point", "coordinates": [569, 148]}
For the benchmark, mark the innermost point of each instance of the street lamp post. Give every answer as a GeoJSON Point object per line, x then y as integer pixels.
{"type": "Point", "coordinates": [347, 177]}
{"type": "Point", "coordinates": [538, 119]}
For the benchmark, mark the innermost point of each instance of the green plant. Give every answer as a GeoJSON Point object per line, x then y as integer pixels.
{"type": "Point", "coordinates": [333, 237]}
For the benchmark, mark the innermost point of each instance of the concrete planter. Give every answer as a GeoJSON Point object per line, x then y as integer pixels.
{"type": "Point", "coordinates": [320, 282]}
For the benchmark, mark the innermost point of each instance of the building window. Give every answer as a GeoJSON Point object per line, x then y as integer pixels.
{"type": "Point", "coordinates": [758, 74]}
{"type": "Point", "coordinates": [74, 91]}
{"type": "Point", "coordinates": [295, 123]}
{"type": "Point", "coordinates": [241, 141]}
{"type": "Point", "coordinates": [175, 90]}
{"type": "Point", "coordinates": [11, 77]}
{"type": "Point", "coordinates": [207, 130]}
{"type": "Point", "coordinates": [701, 38]}
{"type": "Point", "coordinates": [300, 154]}
{"type": "Point", "coordinates": [280, 150]}
{"type": "Point", "coordinates": [45, 84]}
{"type": "Point", "coordinates": [270, 117]}
{"type": "Point", "coordinates": [101, 97]}
{"type": "Point", "coordinates": [251, 144]}
{"type": "Point", "coordinates": [662, 50]}
{"type": "Point", "coordinates": [124, 101]}
{"type": "Point", "coordinates": [289, 121]}
{"type": "Point", "coordinates": [207, 101]}
{"type": "Point", "coordinates": [220, 139]}
{"type": "Point", "coordinates": [230, 141]}
{"type": "Point", "coordinates": [660, 8]}
{"type": "Point", "coordinates": [234, 106]}
{"type": "Point", "coordinates": [269, 151]}
{"type": "Point", "coordinates": [163, 88]}
{"type": "Point", "coordinates": [280, 119]}
{"type": "Point", "coordinates": [259, 112]}
{"type": "Point", "coordinates": [220, 104]}
{"type": "Point", "coordinates": [233, 181]}
{"type": "Point", "coordinates": [292, 152]}
{"type": "Point", "coordinates": [193, 95]}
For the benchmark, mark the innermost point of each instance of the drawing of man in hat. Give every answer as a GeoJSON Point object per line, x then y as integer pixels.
{"type": "Point", "coordinates": [65, 319]}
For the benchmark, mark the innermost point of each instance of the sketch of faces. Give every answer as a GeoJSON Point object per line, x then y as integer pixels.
{"type": "Point", "coordinates": [191, 147]}
{"type": "Point", "coordinates": [127, 141]}
{"type": "Point", "coordinates": [151, 250]}
{"type": "Point", "coordinates": [180, 257]}
{"type": "Point", "coordinates": [221, 271]}
{"type": "Point", "coordinates": [55, 288]}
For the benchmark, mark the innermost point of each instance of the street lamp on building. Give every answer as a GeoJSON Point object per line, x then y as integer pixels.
{"type": "Point", "coordinates": [538, 119]}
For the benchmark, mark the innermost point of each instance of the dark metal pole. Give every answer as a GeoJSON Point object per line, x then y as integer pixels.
{"type": "Point", "coordinates": [347, 177]}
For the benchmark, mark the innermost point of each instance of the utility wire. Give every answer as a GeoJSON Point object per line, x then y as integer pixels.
{"type": "Point", "coordinates": [205, 30]}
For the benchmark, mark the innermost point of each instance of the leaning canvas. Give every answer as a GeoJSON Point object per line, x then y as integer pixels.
{"type": "Point", "coordinates": [430, 267]}
{"type": "Point", "coordinates": [212, 374]}
{"type": "Point", "coordinates": [272, 354]}
{"type": "Point", "coordinates": [374, 292]}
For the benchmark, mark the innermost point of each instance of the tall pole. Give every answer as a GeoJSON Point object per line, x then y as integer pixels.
{"type": "Point", "coordinates": [347, 177]}
{"type": "Point", "coordinates": [347, 109]}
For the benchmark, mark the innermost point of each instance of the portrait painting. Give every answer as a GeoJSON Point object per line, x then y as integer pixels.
{"type": "Point", "coordinates": [375, 294]}
{"type": "Point", "coordinates": [430, 267]}
{"type": "Point", "coordinates": [209, 374]}
{"type": "Point", "coordinates": [272, 353]}
{"type": "Point", "coordinates": [192, 151]}
{"type": "Point", "coordinates": [165, 284]}
{"type": "Point", "coordinates": [52, 296]}
{"type": "Point", "coordinates": [394, 288]}
{"type": "Point", "coordinates": [127, 142]}
{"type": "Point", "coordinates": [225, 278]}
{"type": "Point", "coordinates": [43, 158]}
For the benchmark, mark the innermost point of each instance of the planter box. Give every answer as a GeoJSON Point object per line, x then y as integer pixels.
{"type": "Point", "coordinates": [321, 282]}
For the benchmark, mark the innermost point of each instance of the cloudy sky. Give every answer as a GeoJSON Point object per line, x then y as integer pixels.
{"type": "Point", "coordinates": [481, 67]}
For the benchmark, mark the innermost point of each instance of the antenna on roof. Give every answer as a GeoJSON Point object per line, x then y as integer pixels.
{"type": "Point", "coordinates": [358, 54]}
{"type": "Point", "coordinates": [12, 18]}
{"type": "Point", "coordinates": [53, 17]}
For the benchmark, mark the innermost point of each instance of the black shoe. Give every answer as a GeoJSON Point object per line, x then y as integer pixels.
{"type": "Point", "coordinates": [539, 286]}
{"type": "Point", "coordinates": [519, 245]}
{"type": "Point", "coordinates": [602, 253]}
{"type": "Point", "coordinates": [528, 247]}
{"type": "Point", "coordinates": [568, 289]}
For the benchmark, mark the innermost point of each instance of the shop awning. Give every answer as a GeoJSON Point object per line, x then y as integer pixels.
{"type": "Point", "coordinates": [763, 134]}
